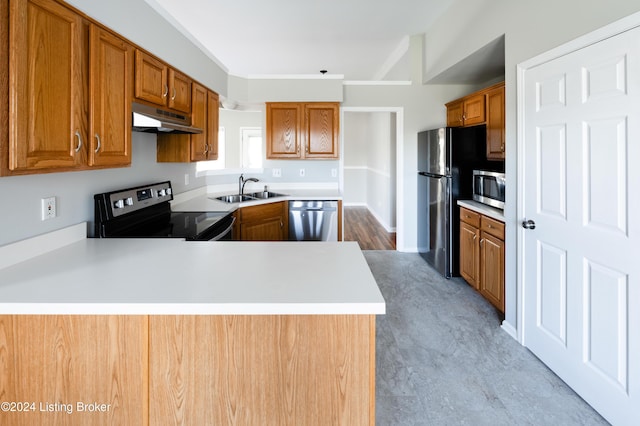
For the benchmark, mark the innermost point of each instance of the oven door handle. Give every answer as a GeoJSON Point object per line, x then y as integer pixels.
{"type": "Point", "coordinates": [225, 232]}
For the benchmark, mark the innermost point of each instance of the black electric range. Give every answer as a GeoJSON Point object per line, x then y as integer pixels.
{"type": "Point", "coordinates": [145, 212]}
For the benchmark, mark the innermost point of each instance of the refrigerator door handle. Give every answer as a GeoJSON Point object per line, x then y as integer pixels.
{"type": "Point", "coordinates": [431, 175]}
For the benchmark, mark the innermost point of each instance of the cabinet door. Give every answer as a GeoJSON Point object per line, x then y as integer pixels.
{"type": "Point", "coordinates": [265, 222]}
{"type": "Point", "coordinates": [284, 130]}
{"type": "Point", "coordinates": [213, 124]}
{"type": "Point", "coordinates": [52, 359]}
{"type": "Point", "coordinates": [321, 130]}
{"type": "Point", "coordinates": [151, 79]}
{"type": "Point", "coordinates": [474, 110]}
{"type": "Point", "coordinates": [111, 89]}
{"type": "Point", "coordinates": [492, 269]}
{"type": "Point", "coordinates": [470, 254]}
{"type": "Point", "coordinates": [180, 91]}
{"type": "Point", "coordinates": [48, 65]}
{"type": "Point", "coordinates": [495, 124]}
{"type": "Point", "coordinates": [454, 114]}
{"type": "Point", "coordinates": [199, 142]}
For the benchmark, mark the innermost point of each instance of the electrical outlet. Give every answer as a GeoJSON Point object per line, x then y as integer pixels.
{"type": "Point", "coordinates": [334, 172]}
{"type": "Point", "coordinates": [186, 178]}
{"type": "Point", "coordinates": [48, 208]}
{"type": "Point", "coordinates": [276, 172]}
{"type": "Point", "coordinates": [301, 172]}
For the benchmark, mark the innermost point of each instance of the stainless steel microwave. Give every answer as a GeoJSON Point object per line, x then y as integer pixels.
{"type": "Point", "coordinates": [488, 188]}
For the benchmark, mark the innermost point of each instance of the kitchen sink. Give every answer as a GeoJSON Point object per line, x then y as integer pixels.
{"type": "Point", "coordinates": [235, 198]}
{"type": "Point", "coordinates": [265, 194]}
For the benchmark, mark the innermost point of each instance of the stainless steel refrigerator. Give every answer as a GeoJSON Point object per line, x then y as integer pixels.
{"type": "Point", "coordinates": [446, 159]}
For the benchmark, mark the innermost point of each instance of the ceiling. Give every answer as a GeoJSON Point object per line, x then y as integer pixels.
{"type": "Point", "coordinates": [358, 39]}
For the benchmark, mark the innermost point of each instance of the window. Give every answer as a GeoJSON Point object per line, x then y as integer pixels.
{"type": "Point", "coordinates": [251, 147]}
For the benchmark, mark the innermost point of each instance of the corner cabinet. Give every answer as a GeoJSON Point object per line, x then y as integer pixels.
{"type": "Point", "coordinates": [483, 107]}
{"type": "Point", "coordinates": [303, 130]}
{"type": "Point", "coordinates": [69, 95]}
{"type": "Point", "coordinates": [482, 252]}
{"type": "Point", "coordinates": [196, 147]}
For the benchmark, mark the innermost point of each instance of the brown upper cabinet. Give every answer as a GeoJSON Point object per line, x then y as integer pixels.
{"type": "Point", "coordinates": [298, 130]}
{"type": "Point", "coordinates": [111, 91]}
{"type": "Point", "coordinates": [69, 95]}
{"type": "Point", "coordinates": [195, 147]}
{"type": "Point", "coordinates": [468, 111]}
{"type": "Point", "coordinates": [495, 123]}
{"type": "Point", "coordinates": [483, 107]}
{"type": "Point", "coordinates": [160, 84]}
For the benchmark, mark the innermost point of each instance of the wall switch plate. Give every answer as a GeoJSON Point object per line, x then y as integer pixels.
{"type": "Point", "coordinates": [301, 172]}
{"type": "Point", "coordinates": [334, 172]}
{"type": "Point", "coordinates": [186, 178]}
{"type": "Point", "coordinates": [48, 208]}
{"type": "Point", "coordinates": [276, 172]}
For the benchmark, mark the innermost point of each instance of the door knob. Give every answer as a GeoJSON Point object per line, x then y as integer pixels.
{"type": "Point", "coordinates": [528, 224]}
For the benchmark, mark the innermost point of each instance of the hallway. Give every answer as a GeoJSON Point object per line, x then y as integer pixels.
{"type": "Point", "coordinates": [361, 226]}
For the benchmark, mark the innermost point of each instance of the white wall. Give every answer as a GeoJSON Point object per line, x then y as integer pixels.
{"type": "Point", "coordinates": [355, 133]}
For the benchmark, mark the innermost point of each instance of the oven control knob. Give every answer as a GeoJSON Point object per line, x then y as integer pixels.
{"type": "Point", "coordinates": [168, 191]}
{"type": "Point", "coordinates": [162, 193]}
{"type": "Point", "coordinates": [119, 204]}
{"type": "Point", "coordinates": [128, 201]}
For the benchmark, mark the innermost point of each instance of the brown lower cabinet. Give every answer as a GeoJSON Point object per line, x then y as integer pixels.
{"type": "Point", "coordinates": [187, 370]}
{"type": "Point", "coordinates": [482, 255]}
{"type": "Point", "coordinates": [263, 222]}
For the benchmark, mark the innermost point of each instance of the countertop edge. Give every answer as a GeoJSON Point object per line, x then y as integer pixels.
{"type": "Point", "coordinates": [192, 309]}
{"type": "Point", "coordinates": [477, 207]}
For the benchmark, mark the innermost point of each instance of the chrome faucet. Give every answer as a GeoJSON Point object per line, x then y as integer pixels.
{"type": "Point", "coordinates": [242, 181]}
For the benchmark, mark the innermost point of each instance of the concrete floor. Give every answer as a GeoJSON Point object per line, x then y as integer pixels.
{"type": "Point", "coordinates": [442, 358]}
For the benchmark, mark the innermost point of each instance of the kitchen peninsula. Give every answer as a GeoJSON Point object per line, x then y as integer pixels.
{"type": "Point", "coordinates": [166, 330]}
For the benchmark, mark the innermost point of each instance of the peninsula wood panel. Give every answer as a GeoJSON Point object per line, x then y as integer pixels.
{"type": "Point", "coordinates": [271, 369]}
{"type": "Point", "coordinates": [70, 359]}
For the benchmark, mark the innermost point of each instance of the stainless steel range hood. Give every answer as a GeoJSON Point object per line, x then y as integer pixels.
{"type": "Point", "coordinates": [156, 120]}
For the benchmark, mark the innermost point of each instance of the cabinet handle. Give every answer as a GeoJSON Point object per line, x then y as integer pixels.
{"type": "Point", "coordinates": [166, 91]}
{"type": "Point", "coordinates": [206, 148]}
{"type": "Point", "coordinates": [99, 143]}
{"type": "Point", "coordinates": [281, 225]}
{"type": "Point", "coordinates": [79, 141]}
{"type": "Point", "coordinates": [173, 97]}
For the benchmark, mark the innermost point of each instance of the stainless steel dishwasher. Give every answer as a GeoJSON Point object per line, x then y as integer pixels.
{"type": "Point", "coordinates": [313, 220]}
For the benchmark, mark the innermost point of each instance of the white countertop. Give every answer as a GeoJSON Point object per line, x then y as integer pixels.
{"type": "Point", "coordinates": [484, 209]}
{"type": "Point", "coordinates": [207, 201]}
{"type": "Point", "coordinates": [172, 276]}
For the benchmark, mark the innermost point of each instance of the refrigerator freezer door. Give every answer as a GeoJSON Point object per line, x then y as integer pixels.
{"type": "Point", "coordinates": [435, 242]}
{"type": "Point", "coordinates": [434, 151]}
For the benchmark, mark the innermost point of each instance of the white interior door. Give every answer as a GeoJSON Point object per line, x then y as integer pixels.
{"type": "Point", "coordinates": [581, 263]}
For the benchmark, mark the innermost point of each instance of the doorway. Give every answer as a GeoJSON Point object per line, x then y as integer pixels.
{"type": "Point", "coordinates": [368, 179]}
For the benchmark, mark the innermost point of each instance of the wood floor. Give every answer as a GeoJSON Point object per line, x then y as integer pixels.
{"type": "Point", "coordinates": [361, 226]}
